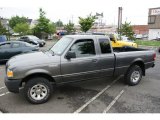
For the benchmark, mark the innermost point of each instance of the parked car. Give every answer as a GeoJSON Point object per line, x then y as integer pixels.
{"type": "Point", "coordinates": [75, 58]}
{"type": "Point", "coordinates": [124, 38]}
{"type": "Point", "coordinates": [12, 48]}
{"type": "Point", "coordinates": [32, 40]}
{"type": "Point", "coordinates": [158, 38]}
{"type": "Point", "coordinates": [117, 42]}
{"type": "Point", "coordinates": [139, 36]}
{"type": "Point", "coordinates": [3, 38]}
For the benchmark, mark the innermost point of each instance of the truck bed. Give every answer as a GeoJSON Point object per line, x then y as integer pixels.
{"type": "Point", "coordinates": [127, 49]}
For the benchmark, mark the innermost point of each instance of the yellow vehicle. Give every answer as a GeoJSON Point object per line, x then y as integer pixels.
{"type": "Point", "coordinates": [116, 42]}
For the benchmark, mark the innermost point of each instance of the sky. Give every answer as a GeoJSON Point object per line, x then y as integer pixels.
{"type": "Point", "coordinates": [134, 11]}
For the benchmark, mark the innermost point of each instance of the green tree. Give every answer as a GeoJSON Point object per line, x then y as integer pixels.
{"type": "Point", "coordinates": [86, 23]}
{"type": "Point", "coordinates": [21, 28]}
{"type": "Point", "coordinates": [51, 28]}
{"type": "Point", "coordinates": [59, 23]}
{"type": "Point", "coordinates": [16, 20]}
{"type": "Point", "coordinates": [3, 30]}
{"type": "Point", "coordinates": [44, 27]}
{"type": "Point", "coordinates": [127, 30]}
{"type": "Point", "coordinates": [69, 27]}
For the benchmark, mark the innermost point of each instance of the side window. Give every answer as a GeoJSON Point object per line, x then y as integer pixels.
{"type": "Point", "coordinates": [105, 46]}
{"type": "Point", "coordinates": [5, 45]}
{"type": "Point", "coordinates": [15, 45]}
{"type": "Point", "coordinates": [83, 48]}
{"type": "Point", "coordinates": [23, 37]}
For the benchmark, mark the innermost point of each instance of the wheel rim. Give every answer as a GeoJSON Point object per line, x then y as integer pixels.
{"type": "Point", "coordinates": [135, 76]}
{"type": "Point", "coordinates": [38, 92]}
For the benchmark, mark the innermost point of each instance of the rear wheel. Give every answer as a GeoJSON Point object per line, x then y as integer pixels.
{"type": "Point", "coordinates": [38, 90]}
{"type": "Point", "coordinates": [133, 75]}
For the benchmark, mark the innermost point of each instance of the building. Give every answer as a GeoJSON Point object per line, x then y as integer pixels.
{"type": "Point", "coordinates": [140, 29]}
{"type": "Point", "coordinates": [154, 23]}
{"type": "Point", "coordinates": [5, 23]}
{"type": "Point", "coordinates": [33, 23]}
{"type": "Point", "coordinates": [105, 29]}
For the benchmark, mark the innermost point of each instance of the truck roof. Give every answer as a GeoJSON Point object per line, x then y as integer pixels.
{"type": "Point", "coordinates": [86, 36]}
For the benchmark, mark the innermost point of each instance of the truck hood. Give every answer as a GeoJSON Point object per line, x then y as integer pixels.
{"type": "Point", "coordinates": [31, 59]}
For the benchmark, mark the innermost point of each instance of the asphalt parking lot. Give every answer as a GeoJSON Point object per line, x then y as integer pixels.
{"type": "Point", "coordinates": [108, 95]}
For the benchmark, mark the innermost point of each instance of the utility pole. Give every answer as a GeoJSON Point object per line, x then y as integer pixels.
{"type": "Point", "coordinates": [0, 16]}
{"type": "Point", "coordinates": [119, 19]}
{"type": "Point", "coordinates": [72, 18]}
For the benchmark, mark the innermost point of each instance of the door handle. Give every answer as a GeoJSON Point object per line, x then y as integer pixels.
{"type": "Point", "coordinates": [94, 60]}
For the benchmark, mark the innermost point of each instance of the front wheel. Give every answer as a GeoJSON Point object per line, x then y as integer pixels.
{"type": "Point", "coordinates": [38, 90]}
{"type": "Point", "coordinates": [133, 75]}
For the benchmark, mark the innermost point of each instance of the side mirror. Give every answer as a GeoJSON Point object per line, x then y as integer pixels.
{"type": "Point", "coordinates": [70, 55]}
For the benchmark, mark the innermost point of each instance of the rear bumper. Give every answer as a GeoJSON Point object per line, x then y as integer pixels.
{"type": "Point", "coordinates": [12, 85]}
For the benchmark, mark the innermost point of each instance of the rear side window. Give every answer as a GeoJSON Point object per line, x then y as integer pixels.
{"type": "Point", "coordinates": [105, 46]}
{"type": "Point", "coordinates": [83, 48]}
{"type": "Point", "coordinates": [5, 45]}
{"type": "Point", "coordinates": [24, 38]}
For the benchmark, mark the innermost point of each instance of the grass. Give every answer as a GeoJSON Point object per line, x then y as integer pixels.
{"type": "Point", "coordinates": [148, 43]}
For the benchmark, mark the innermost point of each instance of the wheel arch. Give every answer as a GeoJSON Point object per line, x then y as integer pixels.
{"type": "Point", "coordinates": [34, 75]}
{"type": "Point", "coordinates": [139, 63]}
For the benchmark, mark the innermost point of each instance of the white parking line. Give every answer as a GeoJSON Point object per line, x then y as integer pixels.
{"type": "Point", "coordinates": [4, 94]}
{"type": "Point", "coordinates": [2, 87]}
{"type": "Point", "coordinates": [96, 96]}
{"type": "Point", "coordinates": [113, 102]}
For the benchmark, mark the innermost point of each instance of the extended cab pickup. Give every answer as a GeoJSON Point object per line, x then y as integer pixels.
{"type": "Point", "coordinates": [74, 58]}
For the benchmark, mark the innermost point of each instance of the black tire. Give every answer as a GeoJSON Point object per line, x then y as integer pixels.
{"type": "Point", "coordinates": [133, 75]}
{"type": "Point", "coordinates": [35, 85]}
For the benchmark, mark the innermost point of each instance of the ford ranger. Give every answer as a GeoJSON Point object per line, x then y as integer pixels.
{"type": "Point", "coordinates": [74, 58]}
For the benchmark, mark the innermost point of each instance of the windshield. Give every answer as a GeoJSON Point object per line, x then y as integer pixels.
{"type": "Point", "coordinates": [34, 37]}
{"type": "Point", "coordinates": [28, 45]}
{"type": "Point", "coordinates": [61, 45]}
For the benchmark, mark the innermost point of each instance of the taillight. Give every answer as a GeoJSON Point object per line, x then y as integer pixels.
{"type": "Point", "coordinates": [154, 56]}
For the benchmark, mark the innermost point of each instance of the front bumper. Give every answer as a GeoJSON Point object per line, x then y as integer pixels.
{"type": "Point", "coordinates": [12, 85]}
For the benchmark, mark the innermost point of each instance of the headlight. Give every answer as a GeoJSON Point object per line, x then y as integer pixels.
{"type": "Point", "coordinates": [9, 73]}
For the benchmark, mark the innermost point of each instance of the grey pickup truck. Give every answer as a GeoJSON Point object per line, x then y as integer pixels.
{"type": "Point", "coordinates": [74, 58]}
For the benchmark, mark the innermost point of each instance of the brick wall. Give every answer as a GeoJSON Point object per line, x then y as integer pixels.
{"type": "Point", "coordinates": [140, 29]}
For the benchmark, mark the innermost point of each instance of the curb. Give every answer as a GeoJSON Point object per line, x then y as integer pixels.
{"type": "Point", "coordinates": [148, 46]}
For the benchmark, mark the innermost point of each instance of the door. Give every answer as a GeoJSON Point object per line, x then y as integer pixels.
{"type": "Point", "coordinates": [5, 51]}
{"type": "Point", "coordinates": [84, 65]}
{"type": "Point", "coordinates": [106, 58]}
{"type": "Point", "coordinates": [16, 48]}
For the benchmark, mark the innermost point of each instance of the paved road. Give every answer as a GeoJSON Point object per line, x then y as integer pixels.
{"type": "Point", "coordinates": [97, 96]}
